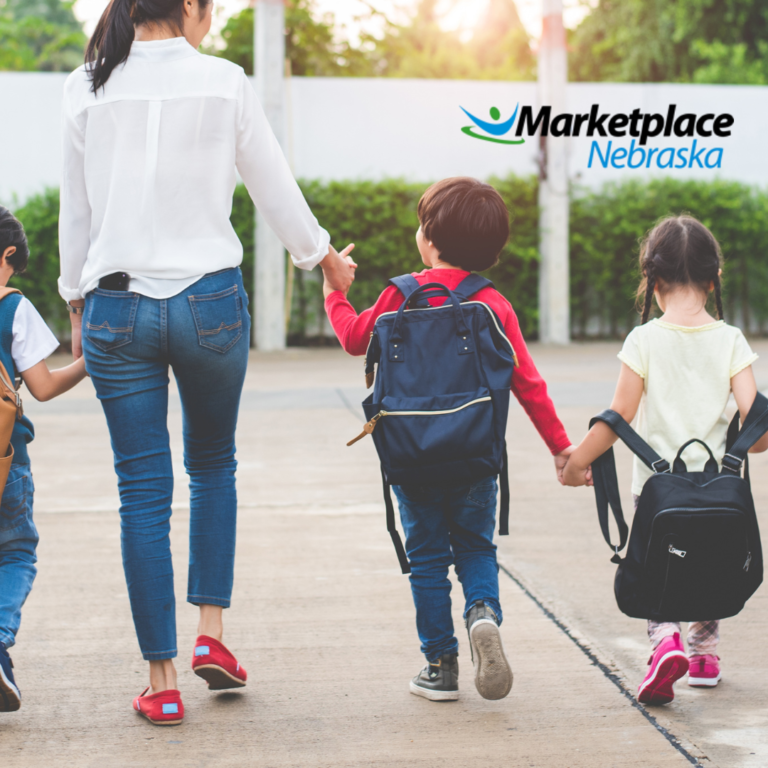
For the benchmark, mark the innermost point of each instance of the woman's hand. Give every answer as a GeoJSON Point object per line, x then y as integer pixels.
{"type": "Point", "coordinates": [77, 330]}
{"type": "Point", "coordinates": [338, 270]}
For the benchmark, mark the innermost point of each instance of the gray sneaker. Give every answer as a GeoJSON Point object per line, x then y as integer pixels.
{"type": "Point", "coordinates": [493, 676]}
{"type": "Point", "coordinates": [439, 680]}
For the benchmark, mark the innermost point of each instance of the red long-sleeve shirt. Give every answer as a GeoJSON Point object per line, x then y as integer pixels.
{"type": "Point", "coordinates": [529, 388]}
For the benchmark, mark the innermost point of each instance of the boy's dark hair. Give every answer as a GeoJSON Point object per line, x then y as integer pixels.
{"type": "Point", "coordinates": [12, 233]}
{"type": "Point", "coordinates": [466, 220]}
{"type": "Point", "coordinates": [679, 250]}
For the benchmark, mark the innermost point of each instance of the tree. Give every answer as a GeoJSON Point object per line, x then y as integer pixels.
{"type": "Point", "coordinates": [715, 41]}
{"type": "Point", "coordinates": [420, 47]}
{"type": "Point", "coordinates": [310, 44]}
{"type": "Point", "coordinates": [40, 35]}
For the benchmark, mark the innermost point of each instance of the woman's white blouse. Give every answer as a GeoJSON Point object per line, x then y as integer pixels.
{"type": "Point", "coordinates": [149, 173]}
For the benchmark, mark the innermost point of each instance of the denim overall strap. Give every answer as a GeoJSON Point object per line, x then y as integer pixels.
{"type": "Point", "coordinates": [23, 431]}
{"type": "Point", "coordinates": [8, 307]}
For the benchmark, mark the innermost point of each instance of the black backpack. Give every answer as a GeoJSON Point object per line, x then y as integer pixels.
{"type": "Point", "coordinates": [694, 553]}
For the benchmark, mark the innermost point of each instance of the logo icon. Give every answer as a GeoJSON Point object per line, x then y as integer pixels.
{"type": "Point", "coordinates": [495, 129]}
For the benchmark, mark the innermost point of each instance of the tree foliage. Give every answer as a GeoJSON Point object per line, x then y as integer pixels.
{"type": "Point", "coordinates": [700, 41]}
{"type": "Point", "coordinates": [419, 47]}
{"type": "Point", "coordinates": [310, 42]}
{"type": "Point", "coordinates": [40, 35]}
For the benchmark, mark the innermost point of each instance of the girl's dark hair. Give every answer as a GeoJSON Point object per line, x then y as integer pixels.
{"type": "Point", "coordinates": [679, 250]}
{"type": "Point", "coordinates": [12, 233]}
{"type": "Point", "coordinates": [467, 220]}
{"type": "Point", "coordinates": [111, 41]}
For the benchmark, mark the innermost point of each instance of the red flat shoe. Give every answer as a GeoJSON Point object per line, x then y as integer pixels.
{"type": "Point", "coordinates": [164, 708]}
{"type": "Point", "coordinates": [216, 665]}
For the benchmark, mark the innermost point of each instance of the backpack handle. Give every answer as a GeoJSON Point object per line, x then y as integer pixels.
{"type": "Point", "coordinates": [678, 465]}
{"type": "Point", "coordinates": [396, 348]}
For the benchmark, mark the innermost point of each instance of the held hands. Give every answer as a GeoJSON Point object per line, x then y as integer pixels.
{"type": "Point", "coordinates": [338, 270]}
{"type": "Point", "coordinates": [568, 470]}
{"type": "Point", "coordinates": [561, 460]}
{"type": "Point", "coordinates": [575, 475]}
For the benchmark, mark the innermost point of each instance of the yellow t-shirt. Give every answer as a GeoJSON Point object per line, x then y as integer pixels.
{"type": "Point", "coordinates": [686, 376]}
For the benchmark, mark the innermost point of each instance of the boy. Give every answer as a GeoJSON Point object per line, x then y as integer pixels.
{"type": "Point", "coordinates": [25, 342]}
{"type": "Point", "coordinates": [464, 226]}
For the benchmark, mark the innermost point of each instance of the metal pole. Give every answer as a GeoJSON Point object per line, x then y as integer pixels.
{"type": "Point", "coordinates": [554, 294]}
{"type": "Point", "coordinates": [269, 274]}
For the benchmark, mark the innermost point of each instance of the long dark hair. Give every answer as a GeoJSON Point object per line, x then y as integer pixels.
{"type": "Point", "coordinates": [679, 250]}
{"type": "Point", "coordinates": [111, 42]}
{"type": "Point", "coordinates": [12, 234]}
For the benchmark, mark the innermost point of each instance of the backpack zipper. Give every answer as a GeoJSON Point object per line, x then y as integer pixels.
{"type": "Point", "coordinates": [678, 552]}
{"type": "Point", "coordinates": [371, 425]}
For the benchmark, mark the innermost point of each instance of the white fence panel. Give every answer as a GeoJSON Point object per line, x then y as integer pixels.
{"type": "Point", "coordinates": [357, 128]}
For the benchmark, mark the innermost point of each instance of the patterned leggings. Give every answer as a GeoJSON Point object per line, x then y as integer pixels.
{"type": "Point", "coordinates": [703, 636]}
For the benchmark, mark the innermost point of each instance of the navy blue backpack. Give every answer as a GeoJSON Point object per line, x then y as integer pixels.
{"type": "Point", "coordinates": [438, 411]}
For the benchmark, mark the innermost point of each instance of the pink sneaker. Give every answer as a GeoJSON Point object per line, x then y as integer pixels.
{"type": "Point", "coordinates": [667, 665]}
{"type": "Point", "coordinates": [704, 671]}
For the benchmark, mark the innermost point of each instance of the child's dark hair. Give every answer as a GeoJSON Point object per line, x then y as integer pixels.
{"type": "Point", "coordinates": [111, 42]}
{"type": "Point", "coordinates": [466, 220]}
{"type": "Point", "coordinates": [679, 250]}
{"type": "Point", "coordinates": [12, 234]}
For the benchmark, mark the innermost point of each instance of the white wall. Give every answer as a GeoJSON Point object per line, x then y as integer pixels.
{"type": "Point", "coordinates": [342, 128]}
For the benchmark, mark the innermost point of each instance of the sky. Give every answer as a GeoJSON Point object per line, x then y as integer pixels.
{"type": "Point", "coordinates": [458, 13]}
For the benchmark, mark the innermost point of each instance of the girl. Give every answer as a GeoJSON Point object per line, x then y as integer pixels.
{"type": "Point", "coordinates": [677, 374]}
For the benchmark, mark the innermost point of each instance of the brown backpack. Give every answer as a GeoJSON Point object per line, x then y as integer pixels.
{"type": "Point", "coordinates": [10, 411]}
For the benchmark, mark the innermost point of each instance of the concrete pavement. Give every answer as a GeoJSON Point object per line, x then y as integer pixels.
{"type": "Point", "coordinates": [323, 620]}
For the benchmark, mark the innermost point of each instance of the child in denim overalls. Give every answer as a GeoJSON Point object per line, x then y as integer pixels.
{"type": "Point", "coordinates": [25, 342]}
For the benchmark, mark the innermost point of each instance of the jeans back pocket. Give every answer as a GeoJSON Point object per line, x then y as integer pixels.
{"type": "Point", "coordinates": [110, 316]}
{"type": "Point", "coordinates": [13, 507]}
{"type": "Point", "coordinates": [218, 318]}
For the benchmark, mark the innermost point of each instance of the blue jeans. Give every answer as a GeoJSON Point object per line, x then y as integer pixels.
{"type": "Point", "coordinates": [129, 342]}
{"type": "Point", "coordinates": [444, 527]}
{"type": "Point", "coordinates": [18, 542]}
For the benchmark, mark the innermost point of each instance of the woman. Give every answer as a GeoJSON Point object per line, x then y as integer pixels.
{"type": "Point", "coordinates": [153, 134]}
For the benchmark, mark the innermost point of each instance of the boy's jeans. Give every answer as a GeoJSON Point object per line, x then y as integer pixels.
{"type": "Point", "coordinates": [445, 526]}
{"type": "Point", "coordinates": [18, 541]}
{"type": "Point", "coordinates": [130, 342]}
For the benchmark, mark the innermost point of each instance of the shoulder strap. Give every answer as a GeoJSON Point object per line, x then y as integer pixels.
{"type": "Point", "coordinates": [408, 284]}
{"type": "Point", "coordinates": [6, 291]}
{"type": "Point", "coordinates": [632, 440]}
{"type": "Point", "coordinates": [753, 428]}
{"type": "Point", "coordinates": [405, 566]}
{"type": "Point", "coordinates": [606, 481]}
{"type": "Point", "coordinates": [504, 496]}
{"type": "Point", "coordinates": [470, 285]}
{"type": "Point", "coordinates": [7, 313]}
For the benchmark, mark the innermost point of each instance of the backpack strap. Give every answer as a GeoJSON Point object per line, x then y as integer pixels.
{"type": "Point", "coordinates": [405, 566]}
{"type": "Point", "coordinates": [607, 483]}
{"type": "Point", "coordinates": [753, 428]}
{"type": "Point", "coordinates": [407, 285]}
{"type": "Point", "coordinates": [504, 496]}
{"type": "Point", "coordinates": [470, 285]}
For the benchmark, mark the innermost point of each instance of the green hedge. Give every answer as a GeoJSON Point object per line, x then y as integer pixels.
{"type": "Point", "coordinates": [380, 217]}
